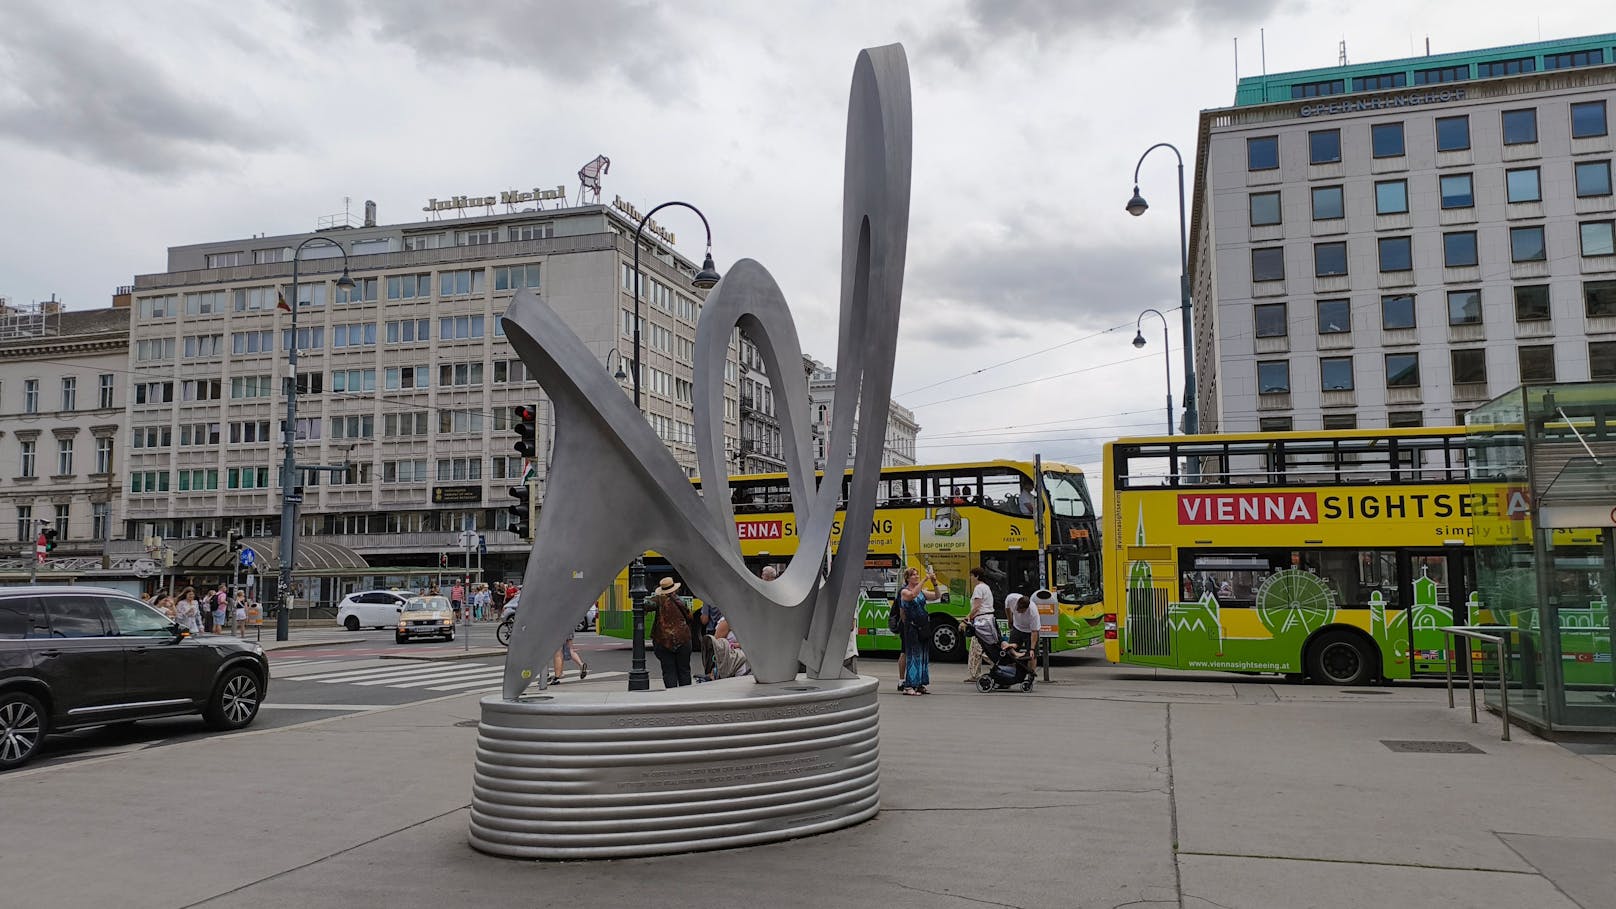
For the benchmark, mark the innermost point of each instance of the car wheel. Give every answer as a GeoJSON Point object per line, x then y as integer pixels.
{"type": "Point", "coordinates": [351, 623]}
{"type": "Point", "coordinates": [235, 700]}
{"type": "Point", "coordinates": [22, 728]}
{"type": "Point", "coordinates": [1340, 658]}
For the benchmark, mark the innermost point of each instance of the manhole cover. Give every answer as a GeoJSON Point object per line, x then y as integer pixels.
{"type": "Point", "coordinates": [1363, 691]}
{"type": "Point", "coordinates": [467, 724]}
{"type": "Point", "coordinates": [1415, 747]}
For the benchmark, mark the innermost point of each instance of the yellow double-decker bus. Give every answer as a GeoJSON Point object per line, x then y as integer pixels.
{"type": "Point", "coordinates": [1336, 555]}
{"type": "Point", "coordinates": [945, 517]}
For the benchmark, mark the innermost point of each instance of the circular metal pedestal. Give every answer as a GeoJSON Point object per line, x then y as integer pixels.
{"type": "Point", "coordinates": [630, 773]}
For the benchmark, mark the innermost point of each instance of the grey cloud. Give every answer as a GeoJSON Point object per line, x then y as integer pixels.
{"type": "Point", "coordinates": [1056, 23]}
{"type": "Point", "coordinates": [571, 43]}
{"type": "Point", "coordinates": [83, 92]}
{"type": "Point", "coordinates": [1039, 274]}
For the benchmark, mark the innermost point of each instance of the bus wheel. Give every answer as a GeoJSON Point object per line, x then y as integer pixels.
{"type": "Point", "coordinates": [947, 644]}
{"type": "Point", "coordinates": [1340, 658]}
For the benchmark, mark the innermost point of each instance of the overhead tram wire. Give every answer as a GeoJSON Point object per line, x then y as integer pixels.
{"type": "Point", "coordinates": [1024, 384]}
{"type": "Point", "coordinates": [1017, 359]}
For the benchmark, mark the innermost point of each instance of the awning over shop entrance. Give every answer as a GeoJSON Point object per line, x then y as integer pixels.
{"type": "Point", "coordinates": [315, 558]}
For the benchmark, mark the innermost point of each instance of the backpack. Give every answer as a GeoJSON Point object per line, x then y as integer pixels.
{"type": "Point", "coordinates": [672, 628]}
{"type": "Point", "coordinates": [895, 617]}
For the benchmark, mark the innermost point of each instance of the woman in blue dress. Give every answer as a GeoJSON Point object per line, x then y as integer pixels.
{"type": "Point", "coordinates": [916, 633]}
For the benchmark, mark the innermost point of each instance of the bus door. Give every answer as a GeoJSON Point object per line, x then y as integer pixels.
{"type": "Point", "coordinates": [1437, 585]}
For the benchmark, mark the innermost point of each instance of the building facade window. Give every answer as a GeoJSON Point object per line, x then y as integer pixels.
{"type": "Point", "coordinates": [1396, 253]}
{"type": "Point", "coordinates": [1459, 249]}
{"type": "Point", "coordinates": [1268, 264]}
{"type": "Point", "coordinates": [1335, 316]}
{"type": "Point", "coordinates": [1397, 311]}
{"type": "Point", "coordinates": [1340, 421]}
{"type": "Point", "coordinates": [1537, 363]}
{"type": "Point", "coordinates": [1523, 184]}
{"type": "Point", "coordinates": [1532, 303]}
{"type": "Point", "coordinates": [408, 287]}
{"type": "Point", "coordinates": [1264, 209]}
{"type": "Point", "coordinates": [70, 393]}
{"type": "Point", "coordinates": [513, 277]}
{"type": "Point", "coordinates": [64, 457]}
{"type": "Point", "coordinates": [104, 391]}
{"type": "Point", "coordinates": [103, 454]}
{"type": "Point", "coordinates": [1469, 366]}
{"type": "Point", "coordinates": [1592, 57]}
{"type": "Point", "coordinates": [460, 328]}
{"type": "Point", "coordinates": [1599, 298]}
{"type": "Point", "coordinates": [26, 531]}
{"type": "Point", "coordinates": [461, 282]}
{"type": "Point", "coordinates": [1273, 377]}
{"type": "Point", "coordinates": [1403, 370]}
{"type": "Point", "coordinates": [30, 396]}
{"type": "Point", "coordinates": [27, 458]}
{"type": "Point", "coordinates": [1458, 190]}
{"type": "Point", "coordinates": [1526, 244]}
{"type": "Point", "coordinates": [1324, 146]}
{"type": "Point", "coordinates": [1404, 419]}
{"type": "Point", "coordinates": [1520, 126]}
{"type": "Point", "coordinates": [1335, 374]}
{"type": "Point", "coordinates": [1588, 120]}
{"type": "Point", "coordinates": [1391, 197]}
{"type": "Point", "coordinates": [1441, 74]}
{"type": "Point", "coordinates": [409, 331]}
{"type": "Point", "coordinates": [1329, 259]}
{"type": "Point", "coordinates": [1329, 203]}
{"type": "Point", "coordinates": [1386, 139]}
{"type": "Point", "coordinates": [1270, 320]}
{"type": "Point", "coordinates": [395, 378]}
{"type": "Point", "coordinates": [1274, 424]}
{"type": "Point", "coordinates": [1593, 178]}
{"type": "Point", "coordinates": [1597, 238]}
{"type": "Point", "coordinates": [365, 290]}
{"type": "Point", "coordinates": [1316, 89]}
{"type": "Point", "coordinates": [100, 521]}
{"type": "Point", "coordinates": [1602, 360]}
{"type": "Point", "coordinates": [1452, 133]}
{"type": "Point", "coordinates": [1464, 307]}
{"type": "Point", "coordinates": [1379, 81]}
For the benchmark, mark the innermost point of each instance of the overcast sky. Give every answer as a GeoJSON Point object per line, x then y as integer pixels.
{"type": "Point", "coordinates": [126, 128]}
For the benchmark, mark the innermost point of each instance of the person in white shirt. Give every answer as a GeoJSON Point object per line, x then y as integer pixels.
{"type": "Point", "coordinates": [1025, 627]}
{"type": "Point", "coordinates": [981, 605]}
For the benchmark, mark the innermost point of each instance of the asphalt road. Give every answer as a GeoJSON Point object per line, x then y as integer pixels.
{"type": "Point", "coordinates": [360, 672]}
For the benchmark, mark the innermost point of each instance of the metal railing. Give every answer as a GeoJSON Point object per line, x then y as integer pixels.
{"type": "Point", "coordinates": [1499, 640]}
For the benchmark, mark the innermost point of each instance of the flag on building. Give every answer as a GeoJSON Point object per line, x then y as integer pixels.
{"type": "Point", "coordinates": [280, 302]}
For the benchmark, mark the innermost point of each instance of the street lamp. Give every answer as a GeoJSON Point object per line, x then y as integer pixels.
{"type": "Point", "coordinates": [705, 279]}
{"type": "Point", "coordinates": [1167, 360]}
{"type": "Point", "coordinates": [1137, 206]}
{"type": "Point", "coordinates": [290, 494]}
{"type": "Point", "coordinates": [620, 375]}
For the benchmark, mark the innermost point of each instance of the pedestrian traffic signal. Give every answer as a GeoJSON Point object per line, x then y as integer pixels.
{"type": "Point", "coordinates": [522, 511]}
{"type": "Point", "coordinates": [235, 540]}
{"type": "Point", "coordinates": [526, 427]}
{"type": "Point", "coordinates": [49, 536]}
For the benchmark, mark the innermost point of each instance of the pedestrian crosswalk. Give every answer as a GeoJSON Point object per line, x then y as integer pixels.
{"type": "Point", "coordinates": [446, 677]}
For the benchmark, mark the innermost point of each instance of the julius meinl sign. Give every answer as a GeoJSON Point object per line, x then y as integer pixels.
{"type": "Point", "coordinates": [1382, 102]}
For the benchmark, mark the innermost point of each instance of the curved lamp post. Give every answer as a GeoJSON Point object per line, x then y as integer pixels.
{"type": "Point", "coordinates": [290, 494]}
{"type": "Point", "coordinates": [620, 375]}
{"type": "Point", "coordinates": [1139, 341]}
{"type": "Point", "coordinates": [705, 279]}
{"type": "Point", "coordinates": [1137, 206]}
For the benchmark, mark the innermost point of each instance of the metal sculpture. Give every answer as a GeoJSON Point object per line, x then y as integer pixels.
{"type": "Point", "coordinates": [617, 492]}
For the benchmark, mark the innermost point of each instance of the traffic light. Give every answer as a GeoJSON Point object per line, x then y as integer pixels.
{"type": "Point", "coordinates": [526, 427]}
{"type": "Point", "coordinates": [49, 535]}
{"type": "Point", "coordinates": [522, 511]}
{"type": "Point", "coordinates": [235, 540]}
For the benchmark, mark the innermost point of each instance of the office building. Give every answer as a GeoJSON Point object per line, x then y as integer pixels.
{"type": "Point", "coordinates": [406, 380]}
{"type": "Point", "coordinates": [897, 438]}
{"type": "Point", "coordinates": [1393, 243]}
{"type": "Point", "coordinates": [62, 380]}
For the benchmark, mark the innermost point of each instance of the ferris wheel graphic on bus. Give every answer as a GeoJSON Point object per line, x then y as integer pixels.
{"type": "Point", "coordinates": [1294, 601]}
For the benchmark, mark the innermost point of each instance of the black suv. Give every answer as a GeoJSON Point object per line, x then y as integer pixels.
{"type": "Point", "coordinates": [72, 657]}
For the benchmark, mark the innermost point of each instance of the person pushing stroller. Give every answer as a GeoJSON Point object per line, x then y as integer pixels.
{"type": "Point", "coordinates": [1007, 660]}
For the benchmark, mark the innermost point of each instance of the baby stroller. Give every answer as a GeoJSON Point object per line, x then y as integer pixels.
{"type": "Point", "coordinates": [1005, 671]}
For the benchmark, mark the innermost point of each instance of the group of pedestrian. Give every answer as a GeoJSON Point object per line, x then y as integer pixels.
{"type": "Point", "coordinates": [213, 611]}
{"type": "Point", "coordinates": [981, 623]}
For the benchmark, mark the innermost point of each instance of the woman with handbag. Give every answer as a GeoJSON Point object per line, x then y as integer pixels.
{"type": "Point", "coordinates": [670, 633]}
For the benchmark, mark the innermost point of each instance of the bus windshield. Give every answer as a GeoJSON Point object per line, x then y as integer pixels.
{"type": "Point", "coordinates": [1068, 494]}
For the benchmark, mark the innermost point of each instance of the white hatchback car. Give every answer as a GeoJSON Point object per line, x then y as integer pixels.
{"type": "Point", "coordinates": [370, 609]}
